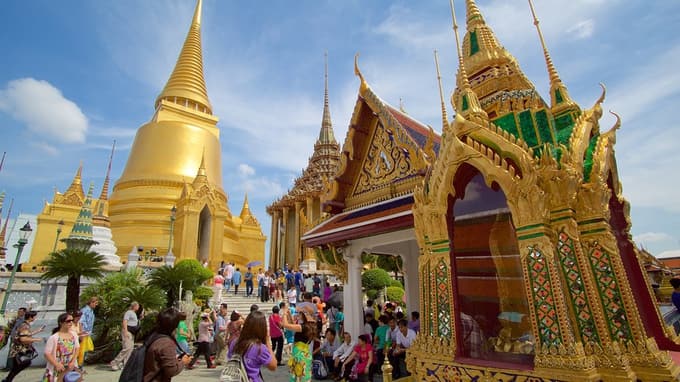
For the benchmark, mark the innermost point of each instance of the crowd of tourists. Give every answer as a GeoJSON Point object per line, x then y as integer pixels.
{"type": "Point", "coordinates": [305, 326]}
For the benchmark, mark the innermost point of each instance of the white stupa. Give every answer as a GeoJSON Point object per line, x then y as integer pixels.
{"type": "Point", "coordinates": [101, 227]}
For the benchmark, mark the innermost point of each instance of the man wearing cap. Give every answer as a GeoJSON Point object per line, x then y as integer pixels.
{"type": "Point", "coordinates": [221, 335]}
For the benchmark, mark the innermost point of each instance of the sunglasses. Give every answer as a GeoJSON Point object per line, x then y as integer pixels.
{"type": "Point", "coordinates": [67, 321]}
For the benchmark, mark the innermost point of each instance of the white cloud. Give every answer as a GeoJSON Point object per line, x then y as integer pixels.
{"type": "Point", "coordinates": [667, 254]}
{"type": "Point", "coordinates": [245, 171]}
{"type": "Point", "coordinates": [45, 148]}
{"type": "Point", "coordinates": [582, 29]}
{"type": "Point", "coordinates": [262, 188]}
{"type": "Point", "coordinates": [44, 110]}
{"type": "Point", "coordinates": [652, 237]}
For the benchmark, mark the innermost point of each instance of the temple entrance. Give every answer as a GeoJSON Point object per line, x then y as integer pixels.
{"type": "Point", "coordinates": [204, 229]}
{"type": "Point", "coordinates": [493, 313]}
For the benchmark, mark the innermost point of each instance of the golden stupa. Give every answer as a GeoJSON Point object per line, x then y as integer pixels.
{"type": "Point", "coordinates": [175, 161]}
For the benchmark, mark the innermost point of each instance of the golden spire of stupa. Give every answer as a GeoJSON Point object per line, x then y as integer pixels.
{"type": "Point", "coordinates": [3, 232]}
{"type": "Point", "coordinates": [76, 186]}
{"type": "Point", "coordinates": [201, 167]}
{"type": "Point", "coordinates": [245, 210]}
{"type": "Point", "coordinates": [246, 215]}
{"type": "Point", "coordinates": [474, 16]}
{"type": "Point", "coordinates": [467, 103]}
{"type": "Point", "coordinates": [186, 85]}
{"type": "Point", "coordinates": [326, 135]}
{"type": "Point", "coordinates": [559, 96]}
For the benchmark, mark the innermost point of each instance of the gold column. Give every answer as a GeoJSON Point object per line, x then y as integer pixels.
{"type": "Point", "coordinates": [296, 237]}
{"type": "Point", "coordinates": [283, 257]}
{"type": "Point", "coordinates": [308, 252]}
{"type": "Point", "coordinates": [274, 238]}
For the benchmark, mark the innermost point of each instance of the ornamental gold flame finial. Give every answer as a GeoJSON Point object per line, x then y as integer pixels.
{"type": "Point", "coordinates": [105, 188]}
{"type": "Point", "coordinates": [559, 96]}
{"type": "Point", "coordinates": [357, 72]}
{"type": "Point", "coordinates": [186, 85]}
{"type": "Point", "coordinates": [445, 117]}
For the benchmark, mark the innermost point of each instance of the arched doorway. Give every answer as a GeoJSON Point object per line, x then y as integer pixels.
{"type": "Point", "coordinates": [204, 230]}
{"type": "Point", "coordinates": [492, 312]}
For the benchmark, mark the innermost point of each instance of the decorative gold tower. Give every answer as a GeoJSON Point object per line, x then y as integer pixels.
{"type": "Point", "coordinates": [550, 176]}
{"type": "Point", "coordinates": [175, 160]}
{"type": "Point", "coordinates": [300, 209]}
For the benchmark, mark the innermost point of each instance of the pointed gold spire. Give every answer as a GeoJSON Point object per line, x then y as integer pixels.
{"type": "Point", "coordinates": [326, 135]}
{"type": "Point", "coordinates": [246, 215]}
{"type": "Point", "coordinates": [464, 100]}
{"type": "Point", "coordinates": [474, 16]}
{"type": "Point", "coordinates": [559, 96]}
{"type": "Point", "coordinates": [3, 233]}
{"type": "Point", "coordinates": [186, 85]}
{"type": "Point", "coordinates": [245, 210]}
{"type": "Point", "coordinates": [76, 186]}
{"type": "Point", "coordinates": [105, 188]}
{"type": "Point", "coordinates": [201, 167]}
{"type": "Point", "coordinates": [445, 117]}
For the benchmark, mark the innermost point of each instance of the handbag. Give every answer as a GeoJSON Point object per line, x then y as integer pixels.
{"type": "Point", "coordinates": [27, 356]}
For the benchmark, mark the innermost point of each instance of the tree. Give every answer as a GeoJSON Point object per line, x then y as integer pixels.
{"type": "Point", "coordinates": [115, 292]}
{"type": "Point", "coordinates": [395, 294]}
{"type": "Point", "coordinates": [392, 264]}
{"type": "Point", "coordinates": [190, 274]}
{"type": "Point", "coordinates": [375, 278]}
{"type": "Point", "coordinates": [73, 264]}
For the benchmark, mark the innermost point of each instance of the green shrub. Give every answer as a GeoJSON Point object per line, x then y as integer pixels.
{"type": "Point", "coordinates": [395, 294]}
{"type": "Point", "coordinates": [375, 278]}
{"type": "Point", "coordinates": [371, 294]}
{"type": "Point", "coordinates": [396, 283]}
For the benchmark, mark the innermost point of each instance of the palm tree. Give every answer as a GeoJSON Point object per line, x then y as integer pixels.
{"type": "Point", "coordinates": [73, 264]}
{"type": "Point", "coordinates": [189, 273]}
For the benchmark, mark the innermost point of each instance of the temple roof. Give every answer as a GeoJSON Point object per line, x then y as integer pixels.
{"type": "Point", "coordinates": [186, 83]}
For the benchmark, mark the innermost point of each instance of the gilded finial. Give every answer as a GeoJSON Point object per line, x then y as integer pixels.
{"type": "Point", "coordinates": [445, 117]}
{"type": "Point", "coordinates": [602, 95]}
{"type": "Point", "coordinates": [76, 186]}
{"type": "Point", "coordinates": [201, 167]}
{"type": "Point", "coordinates": [357, 72]}
{"type": "Point", "coordinates": [617, 124]}
{"type": "Point", "coordinates": [3, 233]}
{"type": "Point", "coordinates": [186, 85]}
{"type": "Point", "coordinates": [474, 16]}
{"type": "Point", "coordinates": [401, 106]}
{"type": "Point", "coordinates": [559, 96]}
{"type": "Point", "coordinates": [105, 188]}
{"type": "Point", "coordinates": [326, 135]}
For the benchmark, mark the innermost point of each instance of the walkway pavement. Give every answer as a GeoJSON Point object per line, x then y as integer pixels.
{"type": "Point", "coordinates": [101, 373]}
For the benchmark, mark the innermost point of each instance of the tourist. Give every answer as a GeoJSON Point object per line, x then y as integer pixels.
{"type": "Point", "coordinates": [22, 343]}
{"type": "Point", "coordinates": [272, 286]}
{"type": "Point", "coordinates": [248, 278]}
{"type": "Point", "coordinates": [236, 280]}
{"type": "Point", "coordinates": [300, 362]}
{"type": "Point", "coordinates": [12, 326]}
{"type": "Point", "coordinates": [316, 286]}
{"type": "Point", "coordinates": [330, 344]}
{"type": "Point", "coordinates": [276, 334]}
{"type": "Point", "coordinates": [299, 283]}
{"type": "Point", "coordinates": [414, 324]}
{"type": "Point", "coordinates": [370, 325]}
{"type": "Point", "coordinates": [260, 281]}
{"type": "Point", "coordinates": [87, 323]}
{"type": "Point", "coordinates": [228, 276]}
{"type": "Point", "coordinates": [182, 334]}
{"type": "Point", "coordinates": [381, 339]}
{"type": "Point", "coordinates": [403, 341]}
{"type": "Point", "coordinates": [129, 328]}
{"type": "Point", "coordinates": [264, 296]}
{"type": "Point", "coordinates": [339, 320]}
{"type": "Point", "coordinates": [369, 309]}
{"type": "Point", "coordinates": [341, 354]}
{"type": "Point", "coordinates": [289, 335]}
{"type": "Point", "coordinates": [308, 283]}
{"type": "Point", "coordinates": [161, 362]}
{"type": "Point", "coordinates": [280, 286]}
{"type": "Point", "coordinates": [292, 296]}
{"type": "Point", "coordinates": [675, 297]}
{"type": "Point", "coordinates": [205, 334]}
{"type": "Point", "coordinates": [234, 327]}
{"type": "Point", "coordinates": [254, 346]}
{"type": "Point", "coordinates": [361, 360]}
{"type": "Point", "coordinates": [61, 350]}
{"type": "Point", "coordinates": [290, 278]}
{"type": "Point", "coordinates": [77, 330]}
{"type": "Point", "coordinates": [220, 341]}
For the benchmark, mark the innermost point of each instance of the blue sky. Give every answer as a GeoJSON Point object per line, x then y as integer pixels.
{"type": "Point", "coordinates": [75, 75]}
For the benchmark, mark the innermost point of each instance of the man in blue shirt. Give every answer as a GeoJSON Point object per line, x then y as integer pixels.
{"type": "Point", "coordinates": [299, 283]}
{"type": "Point", "coordinates": [248, 277]}
{"type": "Point", "coordinates": [236, 280]}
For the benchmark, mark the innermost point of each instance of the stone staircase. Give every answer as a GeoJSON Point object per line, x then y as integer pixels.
{"type": "Point", "coordinates": [242, 303]}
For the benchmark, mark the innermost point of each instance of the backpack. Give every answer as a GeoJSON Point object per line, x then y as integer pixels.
{"type": "Point", "coordinates": [234, 371]}
{"type": "Point", "coordinates": [319, 369]}
{"type": "Point", "coordinates": [134, 367]}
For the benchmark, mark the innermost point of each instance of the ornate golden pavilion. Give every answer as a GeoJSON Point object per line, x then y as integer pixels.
{"type": "Point", "coordinates": [526, 269]}
{"type": "Point", "coordinates": [175, 161]}
{"type": "Point", "coordinates": [298, 210]}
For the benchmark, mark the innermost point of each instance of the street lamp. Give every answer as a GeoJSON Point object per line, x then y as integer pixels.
{"type": "Point", "coordinates": [60, 225]}
{"type": "Point", "coordinates": [24, 233]}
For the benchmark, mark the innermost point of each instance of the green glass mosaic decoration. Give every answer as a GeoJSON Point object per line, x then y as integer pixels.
{"type": "Point", "coordinates": [588, 160]}
{"type": "Point", "coordinates": [526, 124]}
{"type": "Point", "coordinates": [543, 299]}
{"type": "Point", "coordinates": [443, 285]}
{"type": "Point", "coordinates": [544, 128]}
{"type": "Point", "coordinates": [563, 125]}
{"type": "Point", "coordinates": [558, 96]}
{"type": "Point", "coordinates": [474, 44]}
{"type": "Point", "coordinates": [576, 288]}
{"type": "Point", "coordinates": [466, 105]}
{"type": "Point", "coordinates": [507, 123]}
{"type": "Point", "coordinates": [610, 294]}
